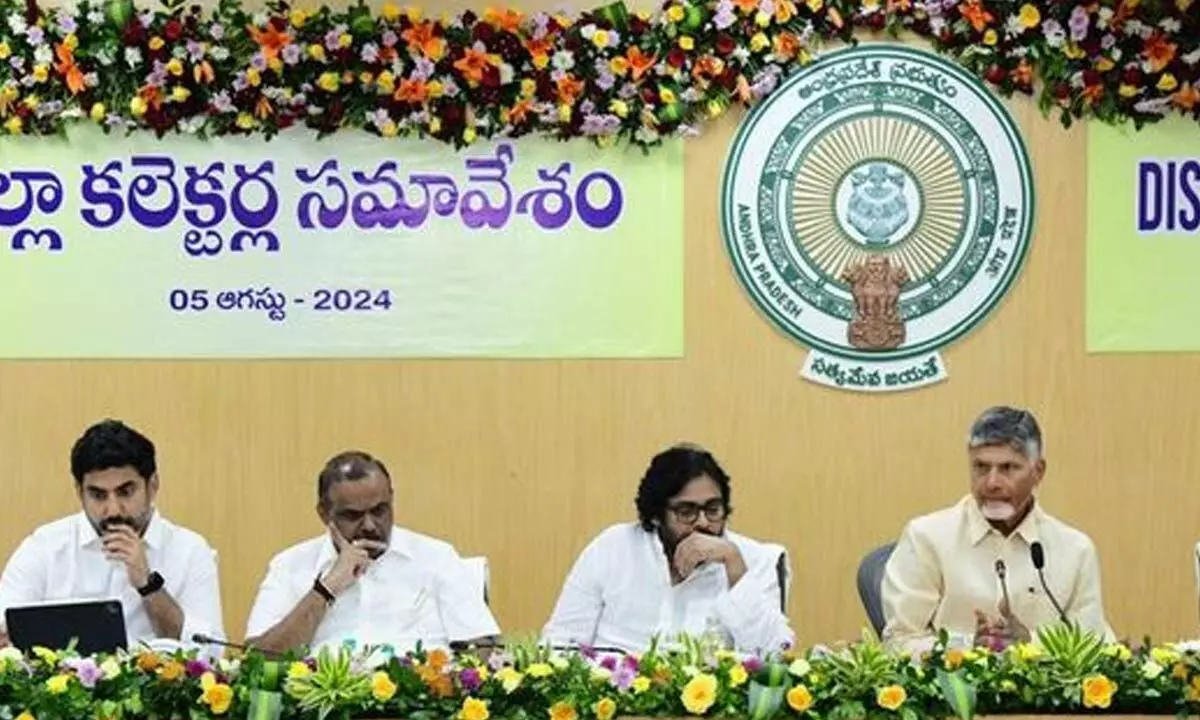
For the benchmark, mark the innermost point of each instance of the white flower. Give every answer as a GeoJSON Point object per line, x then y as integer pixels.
{"type": "Point", "coordinates": [105, 58]}
{"type": "Point", "coordinates": [1170, 25]}
{"type": "Point", "coordinates": [219, 53]}
{"type": "Point", "coordinates": [563, 60]}
{"type": "Point", "coordinates": [43, 55]}
{"type": "Point", "coordinates": [95, 17]}
{"type": "Point", "coordinates": [799, 667]}
{"type": "Point", "coordinates": [1191, 58]}
{"type": "Point", "coordinates": [16, 23]}
{"type": "Point", "coordinates": [133, 57]}
{"type": "Point", "coordinates": [1151, 670]}
{"type": "Point", "coordinates": [111, 668]}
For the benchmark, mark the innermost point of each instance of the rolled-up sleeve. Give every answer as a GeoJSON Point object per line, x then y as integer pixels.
{"type": "Point", "coordinates": [752, 610]}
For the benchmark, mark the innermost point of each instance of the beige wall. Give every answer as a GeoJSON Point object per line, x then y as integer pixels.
{"type": "Point", "coordinates": [525, 461]}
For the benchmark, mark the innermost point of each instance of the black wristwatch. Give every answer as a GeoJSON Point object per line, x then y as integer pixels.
{"type": "Point", "coordinates": [321, 589]}
{"type": "Point", "coordinates": [154, 583]}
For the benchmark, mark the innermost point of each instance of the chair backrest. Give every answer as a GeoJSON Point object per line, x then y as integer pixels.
{"type": "Point", "coordinates": [477, 567]}
{"type": "Point", "coordinates": [785, 580]}
{"type": "Point", "coordinates": [870, 584]}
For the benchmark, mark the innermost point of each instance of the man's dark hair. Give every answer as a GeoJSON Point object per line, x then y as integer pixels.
{"type": "Point", "coordinates": [669, 472]}
{"type": "Point", "coordinates": [112, 444]}
{"type": "Point", "coordinates": [349, 465]}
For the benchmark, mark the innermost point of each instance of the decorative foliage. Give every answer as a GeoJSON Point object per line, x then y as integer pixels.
{"type": "Point", "coordinates": [603, 75]}
{"type": "Point", "coordinates": [1067, 671]}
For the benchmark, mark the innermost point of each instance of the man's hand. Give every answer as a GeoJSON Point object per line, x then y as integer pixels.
{"type": "Point", "coordinates": [699, 548]}
{"type": "Point", "coordinates": [999, 633]}
{"type": "Point", "coordinates": [353, 560]}
{"type": "Point", "coordinates": [122, 543]}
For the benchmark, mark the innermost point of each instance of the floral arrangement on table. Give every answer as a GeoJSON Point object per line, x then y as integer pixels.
{"type": "Point", "coordinates": [605, 74]}
{"type": "Point", "coordinates": [1066, 671]}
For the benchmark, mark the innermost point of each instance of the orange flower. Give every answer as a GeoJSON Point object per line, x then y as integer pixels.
{"type": "Point", "coordinates": [1159, 52]}
{"type": "Point", "coordinates": [1098, 691]}
{"type": "Point", "coordinates": [953, 658]}
{"type": "Point", "coordinates": [442, 686]}
{"type": "Point", "coordinates": [421, 39]}
{"type": "Point", "coordinates": [746, 6]}
{"type": "Point", "coordinates": [975, 14]}
{"type": "Point", "coordinates": [1186, 97]}
{"type": "Point", "coordinates": [411, 91]}
{"type": "Point", "coordinates": [563, 711]}
{"type": "Point", "coordinates": [438, 659]}
{"type": "Point", "coordinates": [1023, 74]}
{"type": "Point", "coordinates": [1093, 93]}
{"type": "Point", "coordinates": [506, 19]}
{"type": "Point", "coordinates": [517, 113]}
{"type": "Point", "coordinates": [787, 45]}
{"type": "Point", "coordinates": [203, 72]}
{"type": "Point", "coordinates": [784, 10]}
{"type": "Point", "coordinates": [891, 697]}
{"type": "Point", "coordinates": [639, 62]}
{"type": "Point", "coordinates": [539, 49]}
{"type": "Point", "coordinates": [152, 96]}
{"type": "Point", "coordinates": [171, 671]}
{"type": "Point", "coordinates": [568, 89]}
{"type": "Point", "coordinates": [270, 41]}
{"type": "Point", "coordinates": [708, 66]}
{"type": "Point", "coordinates": [68, 69]}
{"type": "Point", "coordinates": [148, 661]}
{"type": "Point", "coordinates": [894, 6]}
{"type": "Point", "coordinates": [263, 108]}
{"type": "Point", "coordinates": [473, 64]}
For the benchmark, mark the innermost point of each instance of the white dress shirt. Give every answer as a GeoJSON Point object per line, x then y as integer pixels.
{"type": "Point", "coordinates": [64, 560]}
{"type": "Point", "coordinates": [619, 595]}
{"type": "Point", "coordinates": [420, 589]}
{"type": "Point", "coordinates": [944, 568]}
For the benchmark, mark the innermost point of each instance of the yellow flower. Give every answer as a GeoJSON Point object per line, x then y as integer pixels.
{"type": "Point", "coordinates": [171, 670]}
{"type": "Point", "coordinates": [1028, 651]}
{"type": "Point", "coordinates": [540, 670]}
{"type": "Point", "coordinates": [156, 43]}
{"type": "Point", "coordinates": [382, 686]}
{"type": "Point", "coordinates": [175, 67]}
{"type": "Point", "coordinates": [618, 108]}
{"type": "Point", "coordinates": [473, 709]}
{"type": "Point", "coordinates": [1029, 16]}
{"type": "Point", "coordinates": [604, 708]}
{"type": "Point", "coordinates": [799, 667]}
{"type": "Point", "coordinates": [891, 697]}
{"type": "Point", "coordinates": [1073, 51]}
{"type": "Point", "coordinates": [1167, 82]}
{"type": "Point", "coordinates": [1104, 64]}
{"type": "Point", "coordinates": [641, 684]}
{"type": "Point", "coordinates": [815, 5]}
{"type": "Point", "coordinates": [253, 77]}
{"type": "Point", "coordinates": [26, 715]}
{"type": "Point", "coordinates": [58, 684]}
{"type": "Point", "coordinates": [316, 52]}
{"type": "Point", "coordinates": [5, 51]}
{"type": "Point", "coordinates": [111, 668]}
{"type": "Point", "coordinates": [738, 675]}
{"type": "Point", "coordinates": [990, 37]}
{"type": "Point", "coordinates": [1127, 90]}
{"type": "Point", "coordinates": [799, 699]}
{"type": "Point", "coordinates": [469, 135]}
{"type": "Point", "coordinates": [435, 125]}
{"type": "Point", "coordinates": [509, 678]}
{"type": "Point", "coordinates": [435, 88]}
{"type": "Point", "coordinates": [1193, 693]}
{"type": "Point", "coordinates": [345, 40]}
{"type": "Point", "coordinates": [1164, 655]}
{"type": "Point", "coordinates": [759, 42]}
{"type": "Point", "coordinates": [99, 112]}
{"type": "Point", "coordinates": [298, 18]}
{"type": "Point", "coordinates": [328, 81]}
{"type": "Point", "coordinates": [137, 106]}
{"type": "Point", "coordinates": [1179, 671]}
{"type": "Point", "coordinates": [667, 96]}
{"type": "Point", "coordinates": [600, 39]}
{"type": "Point", "coordinates": [299, 670]}
{"type": "Point", "coordinates": [180, 94]}
{"type": "Point", "coordinates": [762, 19]}
{"type": "Point", "coordinates": [675, 13]}
{"type": "Point", "coordinates": [391, 11]}
{"type": "Point", "coordinates": [217, 696]}
{"type": "Point", "coordinates": [528, 87]}
{"type": "Point", "coordinates": [1098, 691]}
{"type": "Point", "coordinates": [386, 82]}
{"type": "Point", "coordinates": [71, 42]}
{"type": "Point", "coordinates": [41, 73]}
{"type": "Point", "coordinates": [1008, 686]}
{"type": "Point", "coordinates": [1151, 670]}
{"type": "Point", "coordinates": [563, 711]}
{"type": "Point", "coordinates": [619, 66]}
{"type": "Point", "coordinates": [700, 693]}
{"type": "Point", "coordinates": [686, 42]}
{"type": "Point", "coordinates": [389, 129]}
{"type": "Point", "coordinates": [13, 125]}
{"type": "Point", "coordinates": [245, 121]}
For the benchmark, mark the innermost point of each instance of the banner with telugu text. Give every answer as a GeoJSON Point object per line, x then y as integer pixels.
{"type": "Point", "coordinates": [1143, 238]}
{"type": "Point", "coordinates": [348, 246]}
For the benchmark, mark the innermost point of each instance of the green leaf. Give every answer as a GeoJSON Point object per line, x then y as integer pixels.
{"type": "Point", "coordinates": [958, 693]}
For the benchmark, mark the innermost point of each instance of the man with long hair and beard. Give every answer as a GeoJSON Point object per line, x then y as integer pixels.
{"type": "Point", "coordinates": [120, 546]}
{"type": "Point", "coordinates": [678, 570]}
{"type": "Point", "coordinates": [972, 569]}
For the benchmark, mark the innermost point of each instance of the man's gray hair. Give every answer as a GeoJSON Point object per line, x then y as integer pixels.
{"type": "Point", "coordinates": [1013, 427]}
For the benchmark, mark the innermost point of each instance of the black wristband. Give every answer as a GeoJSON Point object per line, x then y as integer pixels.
{"type": "Point", "coordinates": [324, 592]}
{"type": "Point", "coordinates": [154, 583]}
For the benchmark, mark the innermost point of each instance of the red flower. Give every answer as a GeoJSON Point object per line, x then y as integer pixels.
{"type": "Point", "coordinates": [996, 75]}
{"type": "Point", "coordinates": [173, 30]}
{"type": "Point", "coordinates": [676, 58]}
{"type": "Point", "coordinates": [1091, 77]}
{"type": "Point", "coordinates": [725, 44]}
{"type": "Point", "coordinates": [133, 33]}
{"type": "Point", "coordinates": [1132, 76]}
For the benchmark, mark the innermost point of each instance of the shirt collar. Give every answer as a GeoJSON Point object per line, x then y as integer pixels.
{"type": "Point", "coordinates": [400, 545]}
{"type": "Point", "coordinates": [979, 527]}
{"type": "Point", "coordinates": [155, 535]}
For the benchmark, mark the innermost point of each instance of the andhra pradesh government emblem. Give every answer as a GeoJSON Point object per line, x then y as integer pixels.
{"type": "Point", "coordinates": [876, 207]}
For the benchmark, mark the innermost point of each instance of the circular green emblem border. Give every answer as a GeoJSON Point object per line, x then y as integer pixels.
{"type": "Point", "coordinates": [728, 215]}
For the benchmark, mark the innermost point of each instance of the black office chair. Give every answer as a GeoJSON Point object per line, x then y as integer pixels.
{"type": "Point", "coordinates": [870, 584]}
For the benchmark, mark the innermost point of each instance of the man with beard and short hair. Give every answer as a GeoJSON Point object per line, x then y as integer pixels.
{"type": "Point", "coordinates": [945, 571]}
{"type": "Point", "coordinates": [365, 580]}
{"type": "Point", "coordinates": [678, 570]}
{"type": "Point", "coordinates": [119, 546]}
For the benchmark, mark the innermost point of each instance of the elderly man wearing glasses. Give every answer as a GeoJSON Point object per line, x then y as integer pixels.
{"type": "Point", "coordinates": [677, 570]}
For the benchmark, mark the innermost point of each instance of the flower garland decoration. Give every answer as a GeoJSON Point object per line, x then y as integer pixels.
{"type": "Point", "coordinates": [607, 74]}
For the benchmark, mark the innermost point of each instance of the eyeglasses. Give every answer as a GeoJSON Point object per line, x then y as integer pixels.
{"type": "Point", "coordinates": [689, 512]}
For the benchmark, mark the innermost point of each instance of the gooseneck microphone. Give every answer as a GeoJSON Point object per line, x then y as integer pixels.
{"type": "Point", "coordinates": [1002, 572]}
{"type": "Point", "coordinates": [206, 640]}
{"type": "Point", "coordinates": [1038, 555]}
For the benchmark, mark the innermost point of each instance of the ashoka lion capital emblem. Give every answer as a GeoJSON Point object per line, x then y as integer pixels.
{"type": "Point", "coordinates": [876, 284]}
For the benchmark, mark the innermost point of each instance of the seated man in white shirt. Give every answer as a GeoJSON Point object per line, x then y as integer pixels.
{"type": "Point", "coordinates": [119, 546]}
{"type": "Point", "coordinates": [970, 568]}
{"type": "Point", "coordinates": [365, 581]}
{"type": "Point", "coordinates": [678, 570]}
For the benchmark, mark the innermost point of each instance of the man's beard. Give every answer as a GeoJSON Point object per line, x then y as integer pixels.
{"type": "Point", "coordinates": [138, 524]}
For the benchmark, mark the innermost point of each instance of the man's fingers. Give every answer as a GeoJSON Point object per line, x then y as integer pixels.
{"type": "Point", "coordinates": [339, 540]}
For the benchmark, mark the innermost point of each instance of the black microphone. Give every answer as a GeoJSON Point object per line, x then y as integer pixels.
{"type": "Point", "coordinates": [1002, 572]}
{"type": "Point", "coordinates": [206, 640]}
{"type": "Point", "coordinates": [1038, 555]}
